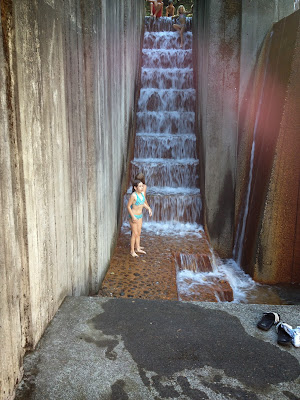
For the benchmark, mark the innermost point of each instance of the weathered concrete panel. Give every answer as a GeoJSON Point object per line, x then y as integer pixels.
{"type": "Point", "coordinates": [10, 256]}
{"type": "Point", "coordinates": [15, 308]}
{"type": "Point", "coordinates": [271, 242]}
{"type": "Point", "coordinates": [228, 37]}
{"type": "Point", "coordinates": [258, 17]}
{"type": "Point", "coordinates": [257, 21]}
{"type": "Point", "coordinates": [68, 78]}
{"type": "Point", "coordinates": [278, 246]}
{"type": "Point", "coordinates": [217, 25]}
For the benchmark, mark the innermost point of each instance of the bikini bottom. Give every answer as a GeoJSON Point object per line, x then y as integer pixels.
{"type": "Point", "coordinates": [137, 216]}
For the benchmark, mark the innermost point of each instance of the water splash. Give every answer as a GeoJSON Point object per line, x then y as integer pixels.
{"type": "Point", "coordinates": [190, 278]}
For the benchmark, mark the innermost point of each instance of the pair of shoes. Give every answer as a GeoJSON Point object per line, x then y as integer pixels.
{"type": "Point", "coordinates": [268, 320]}
{"type": "Point", "coordinates": [286, 333]}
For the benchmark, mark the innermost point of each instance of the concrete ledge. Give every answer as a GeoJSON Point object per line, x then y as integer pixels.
{"type": "Point", "coordinates": [99, 348]}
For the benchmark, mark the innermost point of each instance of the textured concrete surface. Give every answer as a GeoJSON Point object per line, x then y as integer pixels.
{"type": "Point", "coordinates": [151, 275]}
{"type": "Point", "coordinates": [271, 250]}
{"type": "Point", "coordinates": [68, 74]}
{"type": "Point", "coordinates": [228, 36]}
{"type": "Point", "coordinates": [258, 17]}
{"type": "Point", "coordinates": [218, 26]}
{"type": "Point", "coordinates": [144, 349]}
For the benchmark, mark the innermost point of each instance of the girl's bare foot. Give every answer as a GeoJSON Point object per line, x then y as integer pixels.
{"type": "Point", "coordinates": [141, 251]}
{"type": "Point", "coordinates": [133, 254]}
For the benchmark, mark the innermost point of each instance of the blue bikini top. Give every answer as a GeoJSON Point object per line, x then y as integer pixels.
{"type": "Point", "coordinates": [139, 202]}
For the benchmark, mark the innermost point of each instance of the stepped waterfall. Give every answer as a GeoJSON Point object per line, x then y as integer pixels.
{"type": "Point", "coordinates": [165, 145]}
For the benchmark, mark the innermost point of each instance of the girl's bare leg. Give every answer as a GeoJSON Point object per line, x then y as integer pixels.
{"type": "Point", "coordinates": [138, 238]}
{"type": "Point", "coordinates": [134, 234]}
{"type": "Point", "coordinates": [181, 30]}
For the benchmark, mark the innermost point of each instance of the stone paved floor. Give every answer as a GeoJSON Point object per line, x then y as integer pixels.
{"type": "Point", "coordinates": [151, 275]}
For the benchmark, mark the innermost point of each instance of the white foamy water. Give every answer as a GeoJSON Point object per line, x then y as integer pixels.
{"type": "Point", "coordinates": [167, 99]}
{"type": "Point", "coordinates": [227, 270]}
{"type": "Point", "coordinates": [165, 145]}
{"type": "Point", "coordinates": [179, 207]}
{"type": "Point", "coordinates": [161, 78]}
{"type": "Point", "coordinates": [175, 228]}
{"type": "Point", "coordinates": [166, 40]}
{"type": "Point", "coordinates": [182, 173]}
{"type": "Point", "coordinates": [162, 58]}
{"type": "Point", "coordinates": [165, 121]}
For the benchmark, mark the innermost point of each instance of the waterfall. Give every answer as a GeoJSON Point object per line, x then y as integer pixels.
{"type": "Point", "coordinates": [165, 145]}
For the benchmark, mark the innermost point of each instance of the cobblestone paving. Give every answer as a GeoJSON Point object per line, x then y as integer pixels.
{"type": "Point", "coordinates": [151, 275]}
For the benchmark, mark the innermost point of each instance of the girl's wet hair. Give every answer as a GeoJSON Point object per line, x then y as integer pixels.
{"type": "Point", "coordinates": [181, 7]}
{"type": "Point", "coordinates": [135, 183]}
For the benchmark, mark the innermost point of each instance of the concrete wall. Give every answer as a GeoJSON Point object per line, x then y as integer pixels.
{"type": "Point", "coordinates": [257, 21]}
{"type": "Point", "coordinates": [216, 28]}
{"type": "Point", "coordinates": [228, 36]}
{"type": "Point", "coordinates": [68, 72]}
{"type": "Point", "coordinates": [272, 239]}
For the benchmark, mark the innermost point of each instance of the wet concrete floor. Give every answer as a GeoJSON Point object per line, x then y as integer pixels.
{"type": "Point", "coordinates": [135, 349]}
{"type": "Point", "coordinates": [151, 275]}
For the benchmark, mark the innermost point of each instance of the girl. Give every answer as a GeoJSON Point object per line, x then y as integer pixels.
{"type": "Point", "coordinates": [135, 207]}
{"type": "Point", "coordinates": [181, 20]}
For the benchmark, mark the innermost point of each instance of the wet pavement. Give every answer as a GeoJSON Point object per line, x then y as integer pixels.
{"type": "Point", "coordinates": [151, 275]}
{"type": "Point", "coordinates": [134, 349]}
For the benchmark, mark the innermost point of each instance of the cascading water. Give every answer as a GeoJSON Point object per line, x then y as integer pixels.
{"type": "Point", "coordinates": [165, 146]}
{"type": "Point", "coordinates": [165, 151]}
